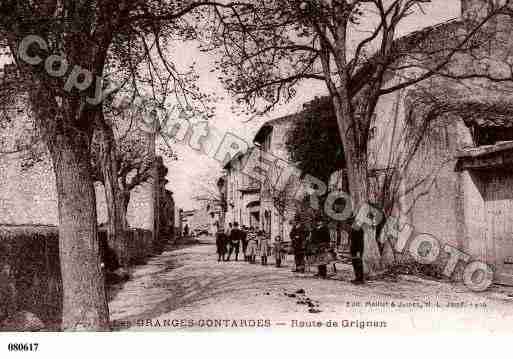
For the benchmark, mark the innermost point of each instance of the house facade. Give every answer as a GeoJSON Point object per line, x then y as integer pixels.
{"type": "Point", "coordinates": [450, 145]}
{"type": "Point", "coordinates": [206, 218]}
{"type": "Point", "coordinates": [257, 203]}
{"type": "Point", "coordinates": [242, 194]}
{"type": "Point", "coordinates": [249, 201]}
{"type": "Point", "coordinates": [187, 219]}
{"type": "Point", "coordinates": [271, 139]}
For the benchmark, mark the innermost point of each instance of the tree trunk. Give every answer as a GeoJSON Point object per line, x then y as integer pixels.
{"type": "Point", "coordinates": [355, 148]}
{"type": "Point", "coordinates": [66, 124]}
{"type": "Point", "coordinates": [84, 300]}
{"type": "Point", "coordinates": [123, 201]}
{"type": "Point", "coordinates": [358, 177]}
{"type": "Point", "coordinates": [116, 225]}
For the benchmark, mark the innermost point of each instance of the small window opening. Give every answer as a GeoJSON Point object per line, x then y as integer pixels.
{"type": "Point", "coordinates": [484, 136]}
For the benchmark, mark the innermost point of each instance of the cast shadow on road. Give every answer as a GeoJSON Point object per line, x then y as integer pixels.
{"type": "Point", "coordinates": [184, 276]}
{"type": "Point", "coordinates": [209, 281]}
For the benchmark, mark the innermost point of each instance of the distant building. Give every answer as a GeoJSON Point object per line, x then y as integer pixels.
{"type": "Point", "coordinates": [205, 218]}
{"type": "Point", "coordinates": [242, 194]}
{"type": "Point", "coordinates": [214, 210]}
{"type": "Point", "coordinates": [260, 204]}
{"type": "Point", "coordinates": [271, 138]}
{"type": "Point", "coordinates": [187, 219]}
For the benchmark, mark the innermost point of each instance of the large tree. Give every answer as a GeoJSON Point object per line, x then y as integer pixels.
{"type": "Point", "coordinates": [353, 47]}
{"type": "Point", "coordinates": [96, 39]}
{"type": "Point", "coordinates": [128, 157]}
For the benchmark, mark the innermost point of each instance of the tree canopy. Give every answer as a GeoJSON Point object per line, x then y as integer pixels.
{"type": "Point", "coordinates": [314, 142]}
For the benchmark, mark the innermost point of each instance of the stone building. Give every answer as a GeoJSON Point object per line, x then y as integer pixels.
{"type": "Point", "coordinates": [253, 202]}
{"type": "Point", "coordinates": [214, 210]}
{"type": "Point", "coordinates": [28, 194]}
{"type": "Point", "coordinates": [440, 152]}
{"type": "Point", "coordinates": [207, 217]}
{"type": "Point", "coordinates": [449, 144]}
{"type": "Point", "coordinates": [250, 201]}
{"type": "Point", "coordinates": [187, 219]}
{"type": "Point", "coordinates": [242, 194]}
{"type": "Point", "coordinates": [275, 215]}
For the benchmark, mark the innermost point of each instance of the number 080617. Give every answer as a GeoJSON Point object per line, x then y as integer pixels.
{"type": "Point", "coordinates": [22, 347]}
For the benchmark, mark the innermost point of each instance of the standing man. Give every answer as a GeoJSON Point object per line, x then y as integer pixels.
{"type": "Point", "coordinates": [244, 240]}
{"type": "Point", "coordinates": [221, 244]}
{"type": "Point", "coordinates": [279, 254]}
{"type": "Point", "coordinates": [228, 230]}
{"type": "Point", "coordinates": [298, 236]}
{"type": "Point", "coordinates": [357, 245]}
{"type": "Point", "coordinates": [320, 239]}
{"type": "Point", "coordinates": [235, 238]}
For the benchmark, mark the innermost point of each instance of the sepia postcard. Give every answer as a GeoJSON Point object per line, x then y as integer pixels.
{"type": "Point", "coordinates": [256, 166]}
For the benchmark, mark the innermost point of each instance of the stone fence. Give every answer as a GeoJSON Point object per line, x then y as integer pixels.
{"type": "Point", "coordinates": [30, 275]}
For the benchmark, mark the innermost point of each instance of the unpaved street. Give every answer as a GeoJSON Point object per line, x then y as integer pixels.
{"type": "Point", "coordinates": [186, 288]}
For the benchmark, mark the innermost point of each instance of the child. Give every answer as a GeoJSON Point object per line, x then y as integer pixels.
{"type": "Point", "coordinates": [263, 243]}
{"type": "Point", "coordinates": [252, 247]}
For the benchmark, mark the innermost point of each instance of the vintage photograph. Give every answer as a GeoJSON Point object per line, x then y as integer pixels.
{"type": "Point", "coordinates": [259, 165]}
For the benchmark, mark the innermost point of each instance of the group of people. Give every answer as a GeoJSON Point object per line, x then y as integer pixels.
{"type": "Point", "coordinates": [254, 243]}
{"type": "Point", "coordinates": [305, 242]}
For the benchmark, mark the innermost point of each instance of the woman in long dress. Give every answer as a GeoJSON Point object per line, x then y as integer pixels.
{"type": "Point", "coordinates": [263, 247]}
{"type": "Point", "coordinates": [252, 248]}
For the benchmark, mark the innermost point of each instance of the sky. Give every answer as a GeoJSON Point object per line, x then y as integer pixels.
{"type": "Point", "coordinates": [193, 168]}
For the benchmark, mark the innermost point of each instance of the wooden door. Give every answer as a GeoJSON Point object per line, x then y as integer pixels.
{"type": "Point", "coordinates": [499, 223]}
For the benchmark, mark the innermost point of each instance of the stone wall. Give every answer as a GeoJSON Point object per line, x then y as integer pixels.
{"type": "Point", "coordinates": [30, 275]}
{"type": "Point", "coordinates": [30, 282]}
{"type": "Point", "coordinates": [27, 196]}
{"type": "Point", "coordinates": [30, 196]}
{"type": "Point", "coordinates": [435, 198]}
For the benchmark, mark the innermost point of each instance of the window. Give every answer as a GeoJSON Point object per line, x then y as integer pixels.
{"type": "Point", "coordinates": [267, 143]}
{"type": "Point", "coordinates": [491, 135]}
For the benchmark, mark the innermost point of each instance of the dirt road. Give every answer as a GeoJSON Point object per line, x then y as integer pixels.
{"type": "Point", "coordinates": [186, 288]}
